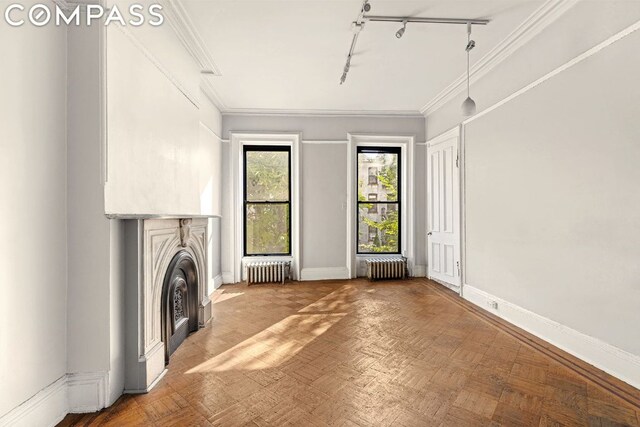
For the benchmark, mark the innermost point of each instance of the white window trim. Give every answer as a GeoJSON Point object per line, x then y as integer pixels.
{"type": "Point", "coordinates": [406, 143]}
{"type": "Point", "coordinates": [238, 141]}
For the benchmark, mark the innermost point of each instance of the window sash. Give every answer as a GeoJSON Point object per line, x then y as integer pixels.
{"type": "Point", "coordinates": [398, 202]}
{"type": "Point", "coordinates": [247, 203]}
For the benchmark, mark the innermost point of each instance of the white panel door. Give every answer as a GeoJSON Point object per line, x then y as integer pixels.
{"type": "Point", "coordinates": [443, 210]}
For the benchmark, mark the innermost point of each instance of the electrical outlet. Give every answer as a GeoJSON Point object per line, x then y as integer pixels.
{"type": "Point", "coordinates": [493, 304]}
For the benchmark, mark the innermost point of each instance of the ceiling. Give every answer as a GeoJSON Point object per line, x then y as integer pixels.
{"type": "Point", "coordinates": [289, 55]}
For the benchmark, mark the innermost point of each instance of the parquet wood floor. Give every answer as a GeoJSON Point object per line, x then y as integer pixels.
{"type": "Point", "coordinates": [355, 353]}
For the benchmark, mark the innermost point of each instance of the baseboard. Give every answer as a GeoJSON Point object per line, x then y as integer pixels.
{"type": "Point", "coordinates": [227, 277]}
{"type": "Point", "coordinates": [87, 391]}
{"type": "Point", "coordinates": [46, 408]}
{"type": "Point", "coordinates": [419, 271]}
{"type": "Point", "coordinates": [72, 393]}
{"type": "Point", "coordinates": [612, 360]}
{"type": "Point", "coordinates": [214, 283]}
{"type": "Point", "coordinates": [217, 281]}
{"type": "Point", "coordinates": [324, 273]}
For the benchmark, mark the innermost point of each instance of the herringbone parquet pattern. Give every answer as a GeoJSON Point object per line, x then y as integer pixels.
{"type": "Point", "coordinates": [354, 353]}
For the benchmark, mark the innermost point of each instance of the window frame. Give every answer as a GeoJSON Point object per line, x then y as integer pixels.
{"type": "Point", "coordinates": [265, 148]}
{"type": "Point", "coordinates": [379, 150]}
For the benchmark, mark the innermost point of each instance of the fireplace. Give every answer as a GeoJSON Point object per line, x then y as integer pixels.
{"type": "Point", "coordinates": [165, 295]}
{"type": "Point", "coordinates": [179, 302]}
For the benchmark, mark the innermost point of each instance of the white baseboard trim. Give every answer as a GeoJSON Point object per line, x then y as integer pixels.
{"type": "Point", "coordinates": [614, 361]}
{"type": "Point", "coordinates": [324, 273]}
{"type": "Point", "coordinates": [217, 281]}
{"type": "Point", "coordinates": [214, 283]}
{"type": "Point", "coordinates": [71, 393]}
{"type": "Point", "coordinates": [227, 277]}
{"type": "Point", "coordinates": [419, 271]}
{"type": "Point", "coordinates": [46, 408]}
{"type": "Point", "coordinates": [87, 391]}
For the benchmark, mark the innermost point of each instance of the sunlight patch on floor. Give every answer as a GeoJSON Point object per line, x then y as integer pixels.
{"type": "Point", "coordinates": [337, 300]}
{"type": "Point", "coordinates": [273, 346]}
{"type": "Point", "coordinates": [281, 341]}
{"type": "Point", "coordinates": [226, 296]}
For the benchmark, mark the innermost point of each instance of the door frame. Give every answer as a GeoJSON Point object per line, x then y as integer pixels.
{"type": "Point", "coordinates": [455, 132]}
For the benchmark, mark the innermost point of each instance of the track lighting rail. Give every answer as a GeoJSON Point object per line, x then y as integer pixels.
{"type": "Point", "coordinates": [363, 18]}
{"type": "Point", "coordinates": [416, 19]}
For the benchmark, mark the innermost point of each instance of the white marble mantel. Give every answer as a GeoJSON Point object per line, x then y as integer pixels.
{"type": "Point", "coordinates": [150, 245]}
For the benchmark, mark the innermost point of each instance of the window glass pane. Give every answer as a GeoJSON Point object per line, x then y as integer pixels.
{"type": "Point", "coordinates": [378, 228]}
{"type": "Point", "coordinates": [267, 228]}
{"type": "Point", "coordinates": [267, 176]}
{"type": "Point", "coordinates": [378, 174]}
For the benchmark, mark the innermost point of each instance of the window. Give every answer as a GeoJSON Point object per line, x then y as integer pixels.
{"type": "Point", "coordinates": [379, 210]}
{"type": "Point", "coordinates": [373, 176]}
{"type": "Point", "coordinates": [373, 197]}
{"type": "Point", "coordinates": [267, 200]}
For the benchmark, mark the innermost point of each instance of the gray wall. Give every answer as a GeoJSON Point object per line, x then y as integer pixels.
{"type": "Point", "coordinates": [324, 194]}
{"type": "Point", "coordinates": [323, 169]}
{"type": "Point", "coordinates": [552, 205]}
{"type": "Point", "coordinates": [33, 190]}
{"type": "Point", "coordinates": [324, 127]}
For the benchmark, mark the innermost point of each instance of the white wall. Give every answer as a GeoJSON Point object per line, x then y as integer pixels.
{"type": "Point", "coordinates": [102, 152]}
{"type": "Point", "coordinates": [33, 190]}
{"type": "Point", "coordinates": [95, 322]}
{"type": "Point", "coordinates": [323, 167]}
{"type": "Point", "coordinates": [210, 131]}
{"type": "Point", "coordinates": [552, 205]}
{"type": "Point", "coordinates": [158, 154]}
{"type": "Point", "coordinates": [89, 229]}
{"type": "Point", "coordinates": [226, 222]}
{"type": "Point", "coordinates": [420, 210]}
{"type": "Point", "coordinates": [64, 265]}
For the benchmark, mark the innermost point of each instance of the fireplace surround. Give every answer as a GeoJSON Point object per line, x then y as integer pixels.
{"type": "Point", "coordinates": [165, 296]}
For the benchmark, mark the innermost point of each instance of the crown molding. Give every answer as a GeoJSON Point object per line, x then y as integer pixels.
{"type": "Point", "coordinates": [158, 64]}
{"type": "Point", "coordinates": [321, 113]}
{"type": "Point", "coordinates": [179, 20]}
{"type": "Point", "coordinates": [211, 94]}
{"type": "Point", "coordinates": [529, 28]}
{"type": "Point", "coordinates": [184, 28]}
{"type": "Point", "coordinates": [575, 61]}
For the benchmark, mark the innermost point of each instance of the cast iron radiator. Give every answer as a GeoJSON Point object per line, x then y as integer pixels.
{"type": "Point", "coordinates": [266, 272]}
{"type": "Point", "coordinates": [387, 268]}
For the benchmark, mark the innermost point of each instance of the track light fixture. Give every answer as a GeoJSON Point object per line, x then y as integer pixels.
{"type": "Point", "coordinates": [400, 32]}
{"type": "Point", "coordinates": [469, 105]}
{"type": "Point", "coordinates": [364, 18]}
{"type": "Point", "coordinates": [470, 45]}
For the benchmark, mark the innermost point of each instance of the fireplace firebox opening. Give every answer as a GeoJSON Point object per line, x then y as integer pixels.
{"type": "Point", "coordinates": [179, 302]}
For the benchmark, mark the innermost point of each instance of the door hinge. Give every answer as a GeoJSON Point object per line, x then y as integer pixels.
{"type": "Point", "coordinates": [458, 266]}
{"type": "Point", "coordinates": [457, 160]}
